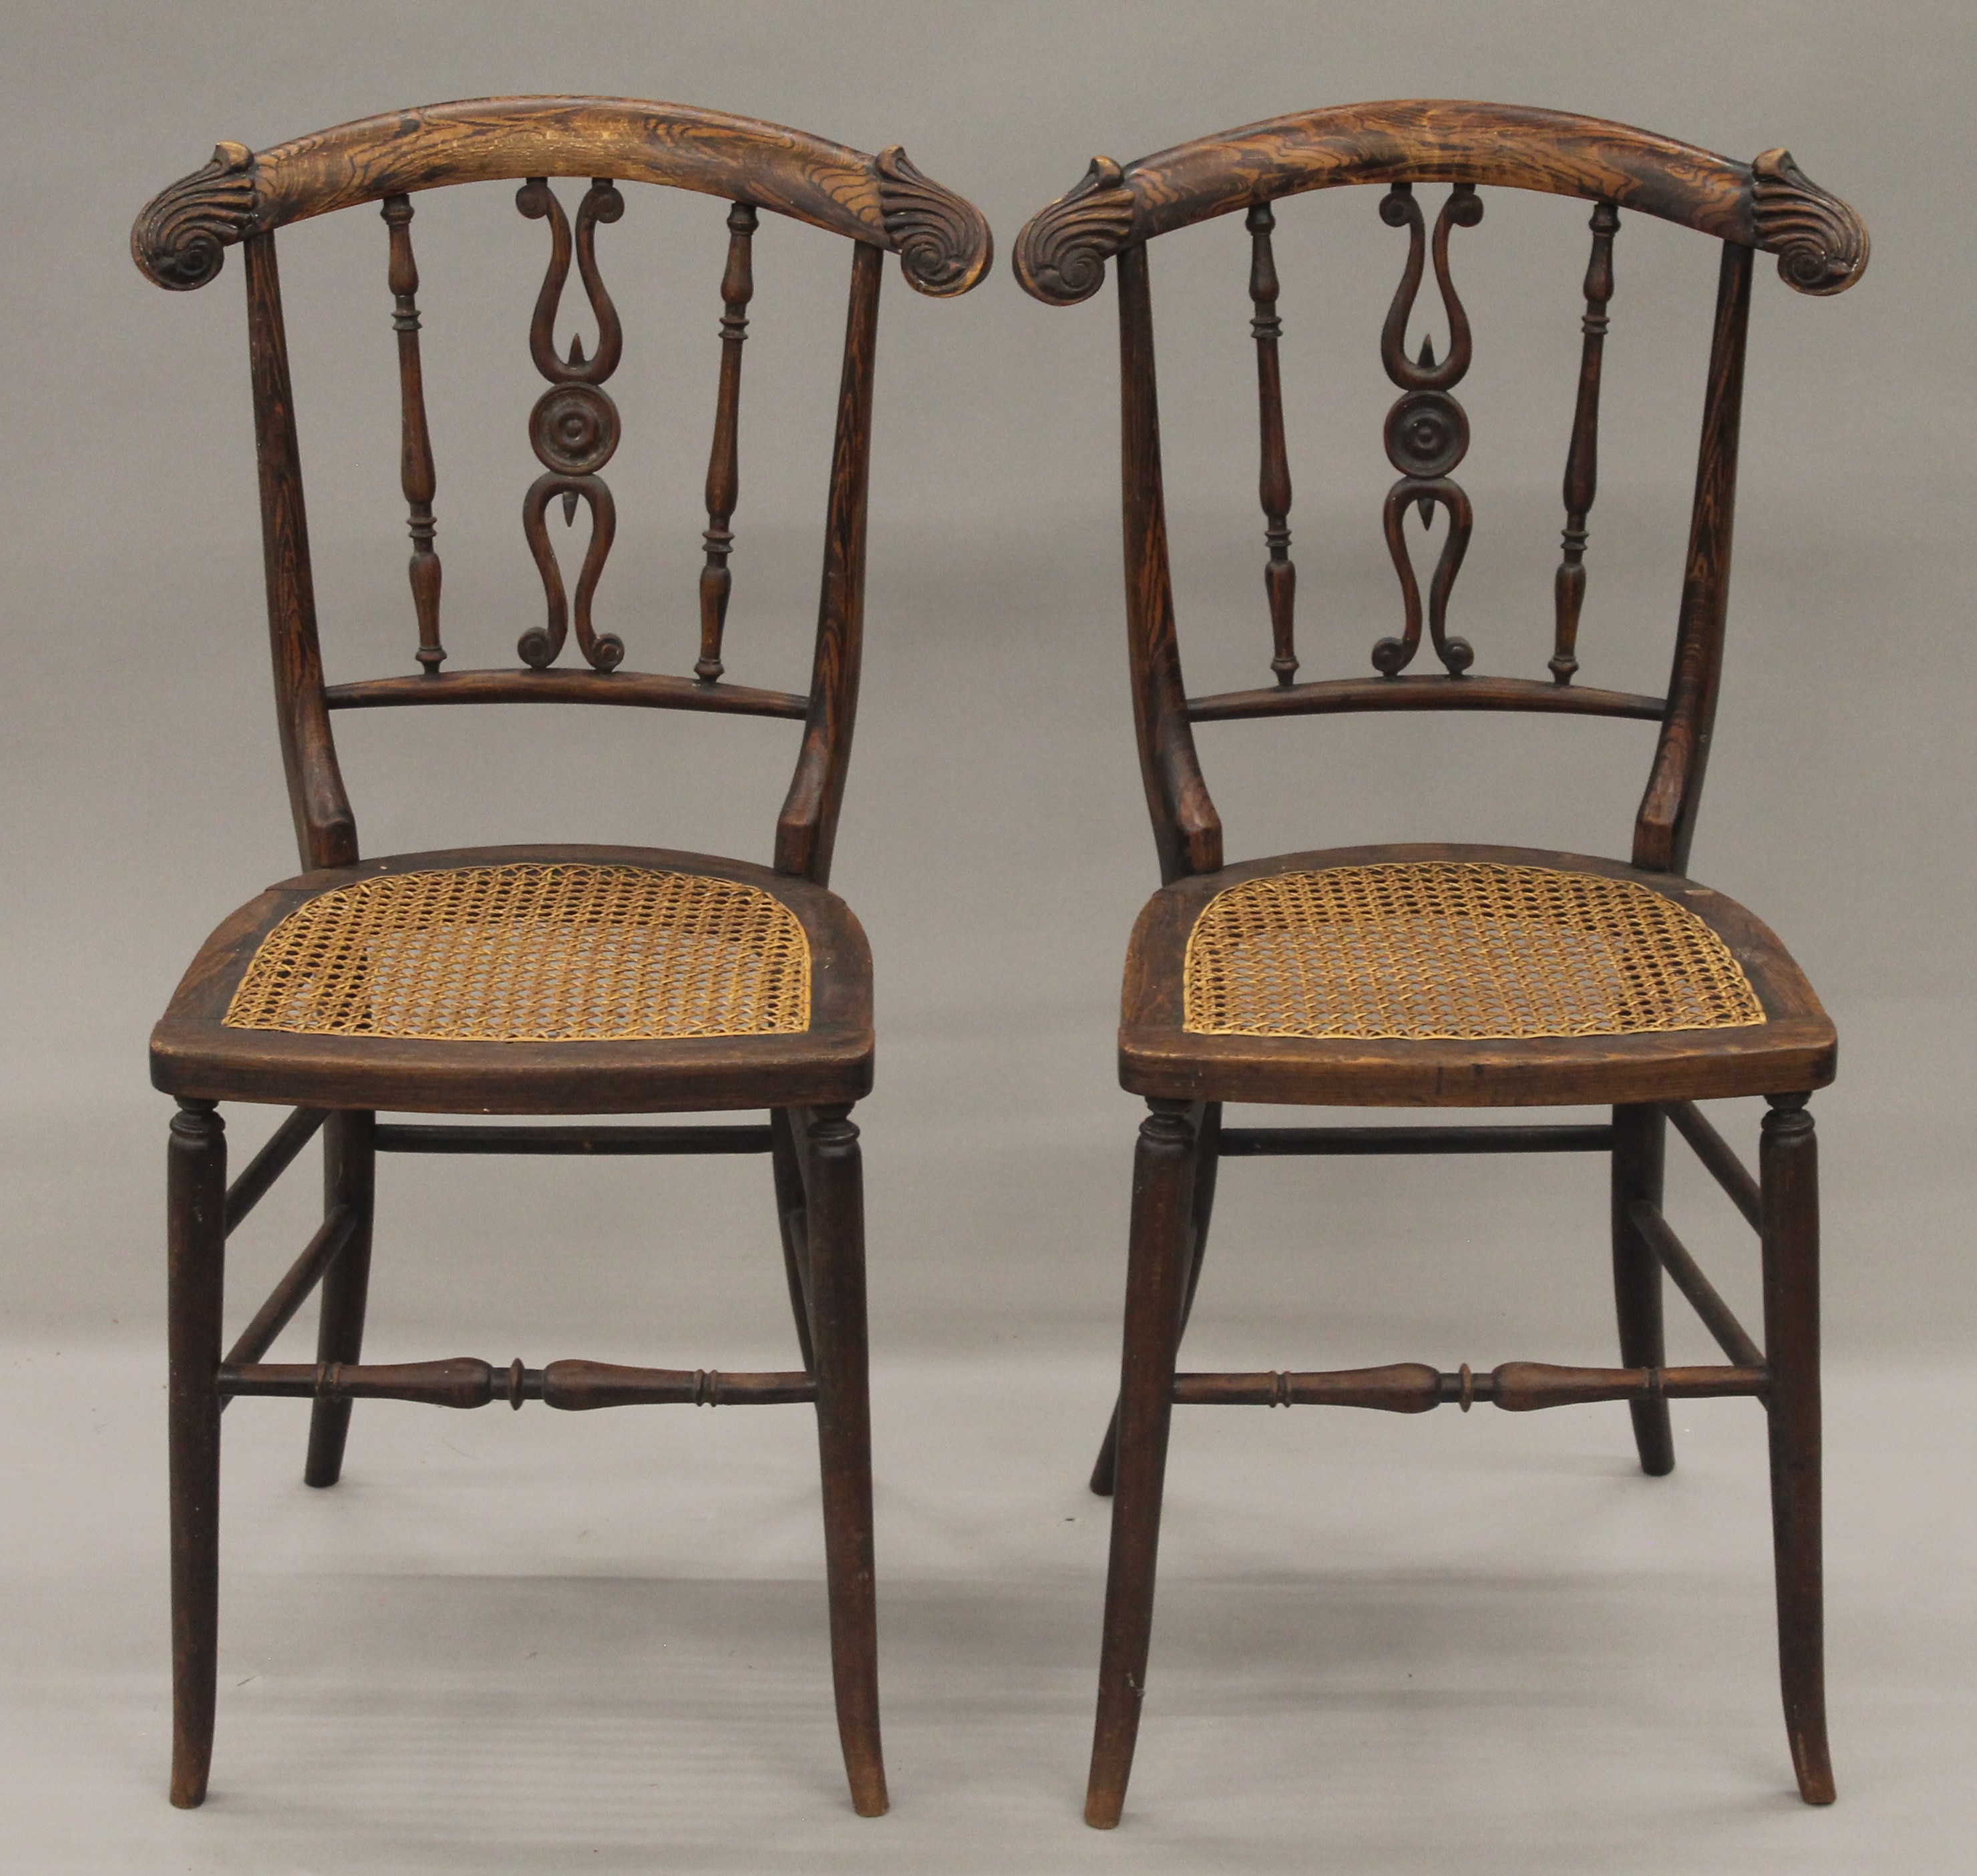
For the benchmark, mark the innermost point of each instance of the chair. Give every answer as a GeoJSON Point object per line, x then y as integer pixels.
{"type": "Point", "coordinates": [534, 980]}
{"type": "Point", "coordinates": [1420, 976]}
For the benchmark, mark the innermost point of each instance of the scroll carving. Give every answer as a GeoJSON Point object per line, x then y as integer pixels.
{"type": "Point", "coordinates": [1061, 253]}
{"type": "Point", "coordinates": [1821, 244]}
{"type": "Point", "coordinates": [1581, 461]}
{"type": "Point", "coordinates": [1427, 430]}
{"type": "Point", "coordinates": [574, 427]}
{"type": "Point", "coordinates": [181, 238]}
{"type": "Point", "coordinates": [943, 243]}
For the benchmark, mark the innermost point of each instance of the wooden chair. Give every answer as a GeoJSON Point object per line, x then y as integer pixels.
{"type": "Point", "coordinates": [568, 980]}
{"type": "Point", "coordinates": [1447, 976]}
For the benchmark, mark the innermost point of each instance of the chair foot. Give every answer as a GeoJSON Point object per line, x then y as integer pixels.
{"type": "Point", "coordinates": [1157, 1272]}
{"type": "Point", "coordinates": [1788, 1168]}
{"type": "Point", "coordinates": [349, 1177]}
{"type": "Point", "coordinates": [195, 1204]}
{"type": "Point", "coordinates": [836, 1311]}
{"type": "Point", "coordinates": [1640, 1140]}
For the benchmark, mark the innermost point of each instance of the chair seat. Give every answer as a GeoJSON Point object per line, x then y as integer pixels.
{"type": "Point", "coordinates": [528, 980]}
{"type": "Point", "coordinates": [1460, 976]}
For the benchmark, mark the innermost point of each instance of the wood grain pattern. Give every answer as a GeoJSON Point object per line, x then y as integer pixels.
{"type": "Point", "coordinates": [179, 240]}
{"type": "Point", "coordinates": [1821, 245]}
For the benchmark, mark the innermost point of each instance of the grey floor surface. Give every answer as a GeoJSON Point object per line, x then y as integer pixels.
{"type": "Point", "coordinates": [541, 1642]}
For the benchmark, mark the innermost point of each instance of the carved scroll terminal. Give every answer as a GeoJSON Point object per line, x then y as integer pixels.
{"type": "Point", "coordinates": [942, 241]}
{"type": "Point", "coordinates": [1821, 244]}
{"type": "Point", "coordinates": [1062, 253]}
{"type": "Point", "coordinates": [179, 239]}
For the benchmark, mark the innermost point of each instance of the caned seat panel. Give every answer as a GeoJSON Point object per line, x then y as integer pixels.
{"type": "Point", "coordinates": [1462, 976]}
{"type": "Point", "coordinates": [528, 980]}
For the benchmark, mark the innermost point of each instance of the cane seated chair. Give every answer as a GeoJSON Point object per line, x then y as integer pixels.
{"type": "Point", "coordinates": [523, 980]}
{"type": "Point", "coordinates": [1445, 976]}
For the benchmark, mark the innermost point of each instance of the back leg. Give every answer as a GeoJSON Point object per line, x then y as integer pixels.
{"type": "Point", "coordinates": [1788, 1168]}
{"type": "Point", "coordinates": [196, 1207]}
{"type": "Point", "coordinates": [1210, 1133]}
{"type": "Point", "coordinates": [349, 1177]}
{"type": "Point", "coordinates": [1640, 1152]}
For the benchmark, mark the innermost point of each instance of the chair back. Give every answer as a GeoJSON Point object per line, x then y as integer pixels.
{"type": "Point", "coordinates": [1769, 205]}
{"type": "Point", "coordinates": [880, 203]}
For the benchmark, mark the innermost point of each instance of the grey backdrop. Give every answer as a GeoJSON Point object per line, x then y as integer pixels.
{"type": "Point", "coordinates": [1492, 1639]}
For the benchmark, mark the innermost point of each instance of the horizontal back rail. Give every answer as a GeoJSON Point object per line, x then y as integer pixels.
{"type": "Point", "coordinates": [1769, 204]}
{"type": "Point", "coordinates": [942, 241]}
{"type": "Point", "coordinates": [636, 690]}
{"type": "Point", "coordinates": [1333, 695]}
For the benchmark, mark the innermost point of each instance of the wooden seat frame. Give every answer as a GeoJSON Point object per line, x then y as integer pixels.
{"type": "Point", "coordinates": [336, 1084]}
{"type": "Point", "coordinates": [1649, 1080]}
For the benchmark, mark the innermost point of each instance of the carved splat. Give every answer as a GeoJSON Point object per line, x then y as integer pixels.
{"type": "Point", "coordinates": [1581, 462]}
{"type": "Point", "coordinates": [415, 456]}
{"type": "Point", "coordinates": [1427, 430]}
{"type": "Point", "coordinates": [723, 469]}
{"type": "Point", "coordinates": [1274, 481]}
{"type": "Point", "coordinates": [574, 427]}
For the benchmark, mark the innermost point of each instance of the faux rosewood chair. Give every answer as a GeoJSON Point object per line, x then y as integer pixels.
{"type": "Point", "coordinates": [569, 980]}
{"type": "Point", "coordinates": [1454, 976]}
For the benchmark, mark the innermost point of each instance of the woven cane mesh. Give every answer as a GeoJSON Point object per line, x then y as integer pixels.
{"type": "Point", "coordinates": [533, 954]}
{"type": "Point", "coordinates": [1456, 951]}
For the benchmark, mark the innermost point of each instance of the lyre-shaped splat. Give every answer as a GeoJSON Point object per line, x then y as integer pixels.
{"type": "Point", "coordinates": [1581, 461]}
{"type": "Point", "coordinates": [574, 427]}
{"type": "Point", "coordinates": [1427, 430]}
{"type": "Point", "coordinates": [723, 469]}
{"type": "Point", "coordinates": [1274, 479]}
{"type": "Point", "coordinates": [415, 456]}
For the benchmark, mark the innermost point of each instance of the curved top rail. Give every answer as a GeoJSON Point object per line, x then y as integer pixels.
{"type": "Point", "coordinates": [181, 239]}
{"type": "Point", "coordinates": [1769, 204]}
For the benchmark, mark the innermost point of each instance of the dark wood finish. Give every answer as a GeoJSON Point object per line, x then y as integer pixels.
{"type": "Point", "coordinates": [809, 1081]}
{"type": "Point", "coordinates": [1156, 1288]}
{"type": "Point", "coordinates": [196, 1210]}
{"type": "Point", "coordinates": [1186, 829]}
{"type": "Point", "coordinates": [724, 465]}
{"type": "Point", "coordinates": [1788, 1164]}
{"type": "Point", "coordinates": [1263, 1142]}
{"type": "Point", "coordinates": [640, 690]}
{"type": "Point", "coordinates": [181, 239]}
{"type": "Point", "coordinates": [1274, 478]}
{"type": "Point", "coordinates": [271, 1162]}
{"type": "Point", "coordinates": [416, 470]}
{"type": "Point", "coordinates": [462, 1382]}
{"type": "Point", "coordinates": [326, 828]}
{"type": "Point", "coordinates": [1769, 204]}
{"type": "Point", "coordinates": [603, 1141]}
{"type": "Point", "coordinates": [349, 1184]}
{"type": "Point", "coordinates": [1640, 1154]}
{"type": "Point", "coordinates": [1060, 256]}
{"type": "Point", "coordinates": [1674, 1256]}
{"type": "Point", "coordinates": [806, 829]}
{"type": "Point", "coordinates": [1725, 1167]}
{"type": "Point", "coordinates": [1581, 460]}
{"type": "Point", "coordinates": [836, 1263]}
{"type": "Point", "coordinates": [1666, 823]}
{"type": "Point", "coordinates": [1516, 1387]}
{"type": "Point", "coordinates": [1444, 691]}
